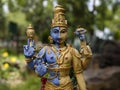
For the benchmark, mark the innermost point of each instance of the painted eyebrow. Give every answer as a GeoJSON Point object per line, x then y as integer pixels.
{"type": "Point", "coordinates": [64, 29]}
{"type": "Point", "coordinates": [56, 28]}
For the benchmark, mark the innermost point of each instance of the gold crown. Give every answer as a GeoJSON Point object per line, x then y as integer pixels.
{"type": "Point", "coordinates": [59, 17]}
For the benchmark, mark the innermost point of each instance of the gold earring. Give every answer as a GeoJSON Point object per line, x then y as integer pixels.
{"type": "Point", "coordinates": [50, 39]}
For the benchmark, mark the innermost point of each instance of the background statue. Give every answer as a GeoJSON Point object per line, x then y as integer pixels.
{"type": "Point", "coordinates": [54, 62]}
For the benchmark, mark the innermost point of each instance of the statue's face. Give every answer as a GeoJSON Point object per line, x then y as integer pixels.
{"type": "Point", "coordinates": [59, 34]}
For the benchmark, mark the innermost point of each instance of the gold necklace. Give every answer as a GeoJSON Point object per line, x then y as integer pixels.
{"type": "Point", "coordinates": [60, 49]}
{"type": "Point", "coordinates": [58, 55]}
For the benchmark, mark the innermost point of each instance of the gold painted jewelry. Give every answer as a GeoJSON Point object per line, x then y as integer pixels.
{"type": "Point", "coordinates": [28, 60]}
{"type": "Point", "coordinates": [66, 50]}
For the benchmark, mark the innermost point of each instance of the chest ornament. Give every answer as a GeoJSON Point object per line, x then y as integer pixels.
{"type": "Point", "coordinates": [60, 54]}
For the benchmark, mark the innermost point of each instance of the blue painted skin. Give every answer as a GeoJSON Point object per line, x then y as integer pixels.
{"type": "Point", "coordinates": [81, 36]}
{"type": "Point", "coordinates": [55, 34]}
{"type": "Point", "coordinates": [29, 49]}
{"type": "Point", "coordinates": [43, 62]}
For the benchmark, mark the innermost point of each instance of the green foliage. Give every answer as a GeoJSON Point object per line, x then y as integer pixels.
{"type": "Point", "coordinates": [44, 36]}
{"type": "Point", "coordinates": [4, 87]}
{"type": "Point", "coordinates": [2, 18]}
{"type": "Point", "coordinates": [77, 13]}
{"type": "Point", "coordinates": [14, 75]}
{"type": "Point", "coordinates": [18, 17]}
{"type": "Point", "coordinates": [32, 83]}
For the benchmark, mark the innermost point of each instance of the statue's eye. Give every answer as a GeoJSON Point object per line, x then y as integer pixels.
{"type": "Point", "coordinates": [55, 31]}
{"type": "Point", "coordinates": [63, 31]}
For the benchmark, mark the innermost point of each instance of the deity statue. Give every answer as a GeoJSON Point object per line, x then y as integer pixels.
{"type": "Point", "coordinates": [53, 62]}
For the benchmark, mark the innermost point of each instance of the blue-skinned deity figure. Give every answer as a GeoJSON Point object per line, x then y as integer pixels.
{"type": "Point", "coordinates": [55, 61]}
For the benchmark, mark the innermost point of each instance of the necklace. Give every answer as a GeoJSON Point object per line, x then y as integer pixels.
{"type": "Point", "coordinates": [58, 53]}
{"type": "Point", "coordinates": [60, 49]}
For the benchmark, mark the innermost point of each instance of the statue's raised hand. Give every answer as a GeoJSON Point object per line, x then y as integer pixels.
{"type": "Point", "coordinates": [80, 32]}
{"type": "Point", "coordinates": [29, 50]}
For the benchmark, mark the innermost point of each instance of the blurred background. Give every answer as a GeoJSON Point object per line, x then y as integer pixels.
{"type": "Point", "coordinates": [101, 18]}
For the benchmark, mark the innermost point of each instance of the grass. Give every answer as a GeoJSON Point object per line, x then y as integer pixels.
{"type": "Point", "coordinates": [4, 87]}
{"type": "Point", "coordinates": [31, 83]}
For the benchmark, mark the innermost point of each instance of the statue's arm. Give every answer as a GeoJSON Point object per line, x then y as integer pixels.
{"type": "Point", "coordinates": [40, 63]}
{"type": "Point", "coordinates": [84, 59]}
{"type": "Point", "coordinates": [35, 62]}
{"type": "Point", "coordinates": [78, 69]}
{"type": "Point", "coordinates": [81, 81]}
{"type": "Point", "coordinates": [86, 54]}
{"type": "Point", "coordinates": [85, 50]}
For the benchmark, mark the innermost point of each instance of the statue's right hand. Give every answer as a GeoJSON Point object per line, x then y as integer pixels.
{"type": "Point", "coordinates": [29, 50]}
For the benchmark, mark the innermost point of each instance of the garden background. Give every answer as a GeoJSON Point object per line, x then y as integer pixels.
{"type": "Point", "coordinates": [101, 18]}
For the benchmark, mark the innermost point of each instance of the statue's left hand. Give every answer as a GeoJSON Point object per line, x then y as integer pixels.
{"type": "Point", "coordinates": [81, 36]}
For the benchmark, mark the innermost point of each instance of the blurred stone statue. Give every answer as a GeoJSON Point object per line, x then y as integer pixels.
{"type": "Point", "coordinates": [54, 62]}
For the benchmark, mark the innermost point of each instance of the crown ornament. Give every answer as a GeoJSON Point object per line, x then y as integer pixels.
{"type": "Point", "coordinates": [59, 17]}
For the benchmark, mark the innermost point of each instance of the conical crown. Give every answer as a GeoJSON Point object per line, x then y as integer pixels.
{"type": "Point", "coordinates": [59, 17]}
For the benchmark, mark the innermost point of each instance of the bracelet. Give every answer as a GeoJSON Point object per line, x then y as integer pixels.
{"type": "Point", "coordinates": [29, 59]}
